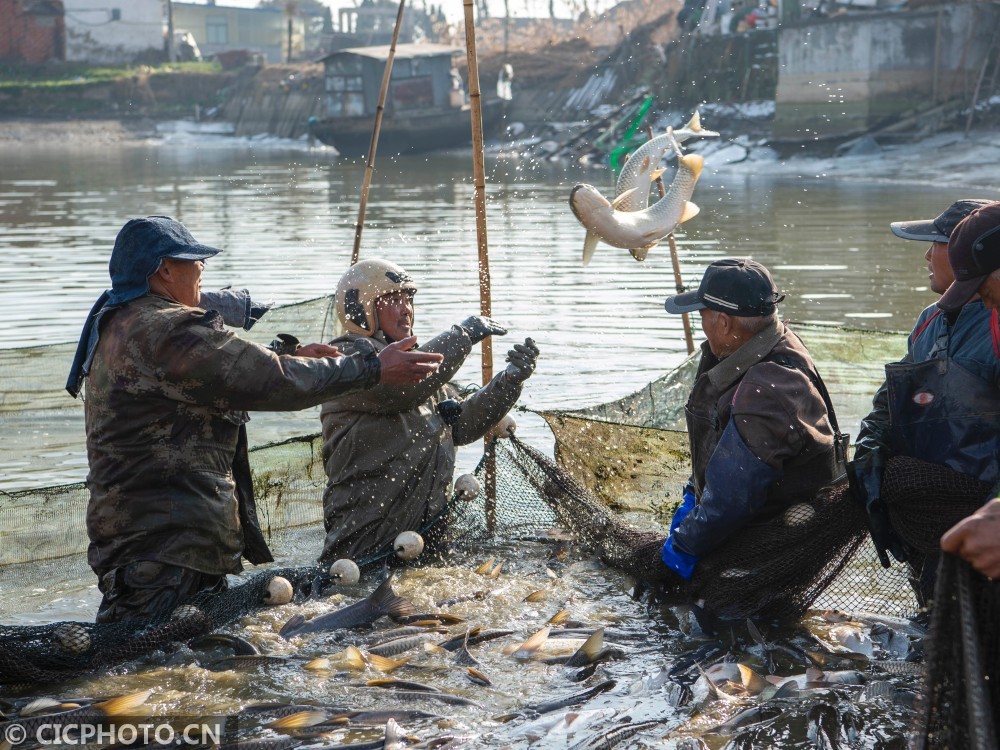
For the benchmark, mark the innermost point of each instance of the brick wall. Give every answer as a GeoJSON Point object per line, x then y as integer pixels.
{"type": "Point", "coordinates": [32, 31]}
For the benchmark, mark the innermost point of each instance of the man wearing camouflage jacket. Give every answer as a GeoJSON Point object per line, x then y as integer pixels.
{"type": "Point", "coordinates": [167, 389]}
{"type": "Point", "coordinates": [389, 452]}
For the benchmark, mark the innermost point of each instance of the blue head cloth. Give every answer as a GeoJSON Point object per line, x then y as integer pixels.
{"type": "Point", "coordinates": [140, 247]}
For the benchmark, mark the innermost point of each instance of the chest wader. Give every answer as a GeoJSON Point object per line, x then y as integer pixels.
{"type": "Point", "coordinates": [939, 410]}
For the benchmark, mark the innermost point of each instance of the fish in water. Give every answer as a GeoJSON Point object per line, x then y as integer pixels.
{"type": "Point", "coordinates": [642, 167]}
{"type": "Point", "coordinates": [636, 231]}
{"type": "Point", "coordinates": [121, 706]}
{"type": "Point", "coordinates": [611, 738]}
{"type": "Point", "coordinates": [569, 700]}
{"type": "Point", "coordinates": [382, 601]}
{"type": "Point", "coordinates": [473, 638]}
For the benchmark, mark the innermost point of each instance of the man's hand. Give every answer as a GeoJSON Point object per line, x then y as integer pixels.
{"type": "Point", "coordinates": [402, 367]}
{"type": "Point", "coordinates": [315, 351]}
{"type": "Point", "coordinates": [522, 360]}
{"type": "Point", "coordinates": [976, 539]}
{"type": "Point", "coordinates": [479, 327]}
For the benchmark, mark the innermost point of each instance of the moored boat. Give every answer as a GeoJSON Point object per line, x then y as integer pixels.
{"type": "Point", "coordinates": [425, 106]}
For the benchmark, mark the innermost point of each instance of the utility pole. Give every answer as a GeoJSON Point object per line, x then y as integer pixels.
{"type": "Point", "coordinates": [171, 49]}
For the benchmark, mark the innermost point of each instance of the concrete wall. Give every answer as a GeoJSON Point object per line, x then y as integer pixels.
{"type": "Point", "coordinates": [219, 28]}
{"type": "Point", "coordinates": [93, 36]}
{"type": "Point", "coordinates": [845, 75]}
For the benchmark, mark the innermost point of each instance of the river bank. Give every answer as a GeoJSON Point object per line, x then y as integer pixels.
{"type": "Point", "coordinates": [949, 158]}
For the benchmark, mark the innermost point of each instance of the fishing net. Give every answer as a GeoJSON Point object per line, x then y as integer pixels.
{"type": "Point", "coordinates": [960, 701]}
{"type": "Point", "coordinates": [523, 495]}
{"type": "Point", "coordinates": [925, 500]}
{"type": "Point", "coordinates": [775, 569]}
{"type": "Point", "coordinates": [48, 653]}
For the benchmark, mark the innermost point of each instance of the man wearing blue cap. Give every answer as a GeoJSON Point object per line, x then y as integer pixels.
{"type": "Point", "coordinates": [939, 404]}
{"type": "Point", "coordinates": [167, 390]}
{"type": "Point", "coordinates": [762, 431]}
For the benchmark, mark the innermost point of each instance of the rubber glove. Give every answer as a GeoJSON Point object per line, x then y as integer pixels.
{"type": "Point", "coordinates": [522, 360]}
{"type": "Point", "coordinates": [687, 505]}
{"type": "Point", "coordinates": [679, 562]}
{"type": "Point", "coordinates": [479, 327]}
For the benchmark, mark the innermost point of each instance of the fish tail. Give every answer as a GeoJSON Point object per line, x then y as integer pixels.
{"type": "Point", "coordinates": [293, 624]}
{"type": "Point", "coordinates": [386, 601]}
{"type": "Point", "coordinates": [589, 246]}
{"type": "Point", "coordinates": [123, 704]}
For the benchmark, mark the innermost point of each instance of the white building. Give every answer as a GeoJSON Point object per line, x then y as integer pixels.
{"type": "Point", "coordinates": [114, 31]}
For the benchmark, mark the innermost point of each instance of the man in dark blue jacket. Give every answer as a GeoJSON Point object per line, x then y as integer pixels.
{"type": "Point", "coordinates": [941, 402]}
{"type": "Point", "coordinates": [762, 431]}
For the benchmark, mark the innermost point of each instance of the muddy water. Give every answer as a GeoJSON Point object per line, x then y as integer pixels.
{"type": "Point", "coordinates": [285, 219]}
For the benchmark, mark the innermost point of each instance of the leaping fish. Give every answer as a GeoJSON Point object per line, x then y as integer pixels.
{"type": "Point", "coordinates": [643, 166]}
{"type": "Point", "coordinates": [637, 231]}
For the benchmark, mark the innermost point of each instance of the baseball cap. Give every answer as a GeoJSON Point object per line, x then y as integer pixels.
{"type": "Point", "coordinates": [738, 286]}
{"type": "Point", "coordinates": [939, 229]}
{"type": "Point", "coordinates": [974, 253]}
{"type": "Point", "coordinates": [141, 246]}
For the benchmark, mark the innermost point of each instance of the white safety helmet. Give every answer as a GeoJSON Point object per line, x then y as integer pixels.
{"type": "Point", "coordinates": [364, 283]}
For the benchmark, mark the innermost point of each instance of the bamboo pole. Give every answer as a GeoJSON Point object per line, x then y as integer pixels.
{"type": "Point", "coordinates": [678, 282]}
{"type": "Point", "coordinates": [479, 175]}
{"type": "Point", "coordinates": [373, 145]}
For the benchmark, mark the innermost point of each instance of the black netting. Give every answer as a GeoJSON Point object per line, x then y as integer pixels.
{"type": "Point", "coordinates": [925, 500]}
{"type": "Point", "coordinates": [45, 653]}
{"type": "Point", "coordinates": [960, 701]}
{"type": "Point", "coordinates": [774, 569]}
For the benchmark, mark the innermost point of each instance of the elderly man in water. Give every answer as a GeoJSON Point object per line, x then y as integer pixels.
{"type": "Point", "coordinates": [939, 404]}
{"type": "Point", "coordinates": [390, 452]}
{"type": "Point", "coordinates": [171, 506]}
{"type": "Point", "coordinates": [762, 431]}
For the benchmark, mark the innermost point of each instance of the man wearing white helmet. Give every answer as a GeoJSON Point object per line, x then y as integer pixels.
{"type": "Point", "coordinates": [389, 452]}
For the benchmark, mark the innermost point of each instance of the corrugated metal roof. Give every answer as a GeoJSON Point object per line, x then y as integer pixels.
{"type": "Point", "coordinates": [381, 52]}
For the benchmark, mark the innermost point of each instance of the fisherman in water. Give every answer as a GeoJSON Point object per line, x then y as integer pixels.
{"type": "Point", "coordinates": [762, 431]}
{"type": "Point", "coordinates": [940, 403]}
{"type": "Point", "coordinates": [389, 453]}
{"type": "Point", "coordinates": [167, 390]}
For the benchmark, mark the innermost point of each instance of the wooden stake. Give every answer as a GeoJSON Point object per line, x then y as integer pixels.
{"type": "Point", "coordinates": [373, 146]}
{"type": "Point", "coordinates": [678, 282]}
{"type": "Point", "coordinates": [479, 174]}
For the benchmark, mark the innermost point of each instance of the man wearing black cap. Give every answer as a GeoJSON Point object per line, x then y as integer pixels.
{"type": "Point", "coordinates": [939, 404]}
{"type": "Point", "coordinates": [167, 389]}
{"type": "Point", "coordinates": [762, 431]}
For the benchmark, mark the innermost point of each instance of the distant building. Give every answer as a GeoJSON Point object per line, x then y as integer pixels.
{"type": "Point", "coordinates": [32, 31]}
{"type": "Point", "coordinates": [221, 28]}
{"type": "Point", "coordinates": [115, 32]}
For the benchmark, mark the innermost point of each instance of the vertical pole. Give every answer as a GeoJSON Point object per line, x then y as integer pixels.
{"type": "Point", "coordinates": [678, 282]}
{"type": "Point", "coordinates": [479, 174]}
{"type": "Point", "coordinates": [366, 182]}
{"type": "Point", "coordinates": [171, 49]}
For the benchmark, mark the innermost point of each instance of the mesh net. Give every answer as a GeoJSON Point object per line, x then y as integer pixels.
{"type": "Point", "coordinates": [48, 653]}
{"type": "Point", "coordinates": [774, 570]}
{"type": "Point", "coordinates": [925, 500]}
{"type": "Point", "coordinates": [960, 700]}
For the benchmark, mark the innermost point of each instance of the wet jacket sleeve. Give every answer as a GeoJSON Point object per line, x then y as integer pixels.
{"type": "Point", "coordinates": [235, 306]}
{"type": "Point", "coordinates": [454, 344]}
{"type": "Point", "coordinates": [485, 408]}
{"type": "Point", "coordinates": [736, 486]}
{"type": "Point", "coordinates": [199, 362]}
{"type": "Point", "coordinates": [874, 432]}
